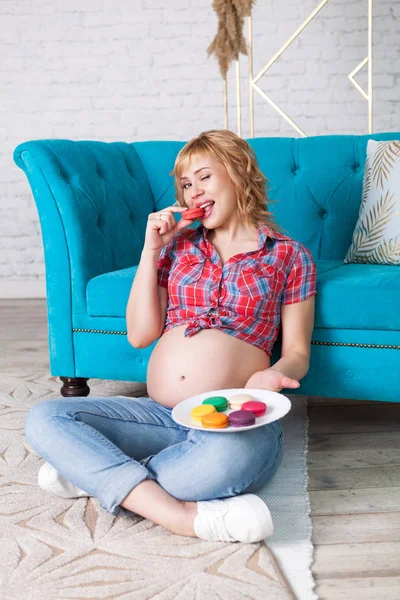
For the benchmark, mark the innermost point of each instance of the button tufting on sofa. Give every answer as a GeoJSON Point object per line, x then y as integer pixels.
{"type": "Point", "coordinates": [74, 180]}
{"type": "Point", "coordinates": [64, 176]}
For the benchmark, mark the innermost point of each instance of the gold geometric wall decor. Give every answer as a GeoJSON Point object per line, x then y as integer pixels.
{"type": "Point", "coordinates": [367, 59]}
{"type": "Point", "coordinates": [253, 81]}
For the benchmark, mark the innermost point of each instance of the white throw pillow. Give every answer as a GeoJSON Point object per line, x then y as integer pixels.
{"type": "Point", "coordinates": [376, 237]}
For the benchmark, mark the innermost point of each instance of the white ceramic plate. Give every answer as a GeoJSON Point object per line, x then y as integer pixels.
{"type": "Point", "coordinates": [277, 406]}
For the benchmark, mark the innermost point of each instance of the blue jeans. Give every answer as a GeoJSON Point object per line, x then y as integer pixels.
{"type": "Point", "coordinates": [108, 445]}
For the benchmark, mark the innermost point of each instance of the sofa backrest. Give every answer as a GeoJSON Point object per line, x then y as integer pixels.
{"type": "Point", "coordinates": [94, 198]}
{"type": "Point", "coordinates": [315, 183]}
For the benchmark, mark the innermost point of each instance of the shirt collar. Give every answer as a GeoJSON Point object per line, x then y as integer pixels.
{"type": "Point", "coordinates": [264, 232]}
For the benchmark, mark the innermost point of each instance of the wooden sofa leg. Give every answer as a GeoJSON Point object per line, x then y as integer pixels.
{"type": "Point", "coordinates": [74, 386]}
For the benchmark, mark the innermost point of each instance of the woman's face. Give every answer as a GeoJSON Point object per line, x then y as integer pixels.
{"type": "Point", "coordinates": [204, 178]}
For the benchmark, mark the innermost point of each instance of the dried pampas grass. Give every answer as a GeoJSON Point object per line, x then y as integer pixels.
{"type": "Point", "coordinates": [229, 41]}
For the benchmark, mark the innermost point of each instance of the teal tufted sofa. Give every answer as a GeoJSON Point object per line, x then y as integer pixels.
{"type": "Point", "coordinates": [94, 198]}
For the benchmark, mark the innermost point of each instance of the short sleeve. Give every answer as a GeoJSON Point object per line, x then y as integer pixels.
{"type": "Point", "coordinates": [302, 279]}
{"type": "Point", "coordinates": [163, 266]}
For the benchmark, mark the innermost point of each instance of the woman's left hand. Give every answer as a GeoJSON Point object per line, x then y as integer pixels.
{"type": "Point", "coordinates": [271, 379]}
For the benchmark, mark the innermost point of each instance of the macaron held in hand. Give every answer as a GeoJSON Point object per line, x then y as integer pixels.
{"type": "Point", "coordinates": [162, 227]}
{"type": "Point", "coordinates": [193, 213]}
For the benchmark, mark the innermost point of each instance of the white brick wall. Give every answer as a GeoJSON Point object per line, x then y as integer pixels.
{"type": "Point", "coordinates": [138, 69]}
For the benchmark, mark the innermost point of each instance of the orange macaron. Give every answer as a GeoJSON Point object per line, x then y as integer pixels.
{"type": "Point", "coordinates": [215, 420]}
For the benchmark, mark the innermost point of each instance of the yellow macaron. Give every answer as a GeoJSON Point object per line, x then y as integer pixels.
{"type": "Point", "coordinates": [201, 411]}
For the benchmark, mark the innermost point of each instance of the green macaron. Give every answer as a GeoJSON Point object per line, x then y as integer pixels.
{"type": "Point", "coordinates": [220, 402]}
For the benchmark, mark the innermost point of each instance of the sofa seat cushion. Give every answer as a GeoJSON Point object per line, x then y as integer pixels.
{"type": "Point", "coordinates": [352, 296]}
{"type": "Point", "coordinates": [107, 295]}
{"type": "Point", "coordinates": [358, 296]}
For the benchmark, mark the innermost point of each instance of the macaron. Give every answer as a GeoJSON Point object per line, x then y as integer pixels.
{"type": "Point", "coordinates": [241, 418]}
{"type": "Point", "coordinates": [237, 400]}
{"type": "Point", "coordinates": [215, 421]}
{"type": "Point", "coordinates": [200, 411]}
{"type": "Point", "coordinates": [220, 402]}
{"type": "Point", "coordinates": [256, 407]}
{"type": "Point", "coordinates": [193, 213]}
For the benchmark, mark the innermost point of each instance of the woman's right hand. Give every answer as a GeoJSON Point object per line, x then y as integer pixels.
{"type": "Point", "coordinates": [161, 227]}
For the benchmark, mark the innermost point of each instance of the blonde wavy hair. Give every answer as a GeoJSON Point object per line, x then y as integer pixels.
{"type": "Point", "coordinates": [241, 164]}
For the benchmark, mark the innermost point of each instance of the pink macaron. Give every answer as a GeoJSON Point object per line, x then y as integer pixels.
{"type": "Point", "coordinates": [256, 407]}
{"type": "Point", "coordinates": [193, 213]}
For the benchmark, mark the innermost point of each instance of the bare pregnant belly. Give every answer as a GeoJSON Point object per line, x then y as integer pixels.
{"type": "Point", "coordinates": [181, 367]}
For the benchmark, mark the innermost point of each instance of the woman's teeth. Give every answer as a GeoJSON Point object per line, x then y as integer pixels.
{"type": "Point", "coordinates": [207, 209]}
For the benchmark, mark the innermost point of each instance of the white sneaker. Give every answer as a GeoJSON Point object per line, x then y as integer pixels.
{"type": "Point", "coordinates": [50, 480]}
{"type": "Point", "coordinates": [244, 518]}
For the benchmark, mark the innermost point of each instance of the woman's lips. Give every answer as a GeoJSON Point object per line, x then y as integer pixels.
{"type": "Point", "coordinates": [207, 212]}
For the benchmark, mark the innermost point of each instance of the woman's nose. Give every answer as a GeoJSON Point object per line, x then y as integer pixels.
{"type": "Point", "coordinates": [197, 190]}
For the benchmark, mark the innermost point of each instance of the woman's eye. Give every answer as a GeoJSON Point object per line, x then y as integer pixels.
{"type": "Point", "coordinates": [201, 179]}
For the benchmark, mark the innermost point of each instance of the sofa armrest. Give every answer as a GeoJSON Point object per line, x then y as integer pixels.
{"type": "Point", "coordinates": [93, 201]}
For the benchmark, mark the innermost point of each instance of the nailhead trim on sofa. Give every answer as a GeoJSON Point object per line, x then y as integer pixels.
{"type": "Point", "coordinates": [391, 347]}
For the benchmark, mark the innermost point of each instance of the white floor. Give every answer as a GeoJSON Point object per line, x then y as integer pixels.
{"type": "Point", "coordinates": [288, 500]}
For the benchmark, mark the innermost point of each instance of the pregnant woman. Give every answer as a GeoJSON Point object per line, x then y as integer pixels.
{"type": "Point", "coordinates": [215, 298]}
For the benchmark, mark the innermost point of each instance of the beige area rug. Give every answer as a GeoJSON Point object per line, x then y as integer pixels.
{"type": "Point", "coordinates": [54, 548]}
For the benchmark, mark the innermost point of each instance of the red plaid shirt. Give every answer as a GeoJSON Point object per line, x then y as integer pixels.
{"type": "Point", "coordinates": [241, 298]}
